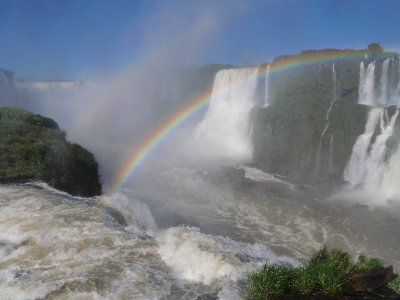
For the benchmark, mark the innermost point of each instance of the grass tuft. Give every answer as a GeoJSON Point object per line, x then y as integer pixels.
{"type": "Point", "coordinates": [271, 280]}
{"type": "Point", "coordinates": [327, 271]}
{"type": "Point", "coordinates": [395, 285]}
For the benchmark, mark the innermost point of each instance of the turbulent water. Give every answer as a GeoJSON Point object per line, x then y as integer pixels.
{"type": "Point", "coordinates": [53, 246]}
{"type": "Point", "coordinates": [192, 237]}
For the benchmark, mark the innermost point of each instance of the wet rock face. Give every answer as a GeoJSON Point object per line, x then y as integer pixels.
{"type": "Point", "coordinates": [116, 216]}
{"type": "Point", "coordinates": [309, 129]}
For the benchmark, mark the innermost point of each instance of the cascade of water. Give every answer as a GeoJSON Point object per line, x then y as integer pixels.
{"type": "Point", "coordinates": [396, 94]}
{"type": "Point", "coordinates": [390, 180]}
{"type": "Point", "coordinates": [266, 96]}
{"type": "Point", "coordinates": [225, 131]}
{"type": "Point", "coordinates": [43, 88]}
{"type": "Point", "coordinates": [355, 169]}
{"type": "Point", "coordinates": [395, 99]}
{"type": "Point", "coordinates": [374, 164]}
{"type": "Point", "coordinates": [334, 79]}
{"type": "Point", "coordinates": [366, 93]}
{"type": "Point", "coordinates": [367, 165]}
{"type": "Point", "coordinates": [331, 153]}
{"type": "Point", "coordinates": [383, 100]}
{"type": "Point", "coordinates": [334, 96]}
{"type": "Point", "coordinates": [361, 83]}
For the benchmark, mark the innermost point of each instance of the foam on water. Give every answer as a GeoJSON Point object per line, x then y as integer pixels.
{"type": "Point", "coordinates": [51, 246]}
{"type": "Point", "coordinates": [136, 213]}
{"type": "Point", "coordinates": [260, 176]}
{"type": "Point", "coordinates": [199, 257]}
{"type": "Point", "coordinates": [56, 246]}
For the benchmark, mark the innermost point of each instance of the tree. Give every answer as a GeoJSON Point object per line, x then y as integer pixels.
{"type": "Point", "coordinates": [375, 48]}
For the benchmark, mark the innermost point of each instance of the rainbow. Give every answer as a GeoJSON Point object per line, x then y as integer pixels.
{"type": "Point", "coordinates": [281, 64]}
{"type": "Point", "coordinates": [156, 136]}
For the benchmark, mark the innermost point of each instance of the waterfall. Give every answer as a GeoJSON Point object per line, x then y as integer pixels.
{"type": "Point", "coordinates": [396, 93]}
{"type": "Point", "coordinates": [368, 164]}
{"type": "Point", "coordinates": [266, 95]}
{"type": "Point", "coordinates": [366, 93]}
{"type": "Point", "coordinates": [374, 164]}
{"type": "Point", "coordinates": [332, 103]}
{"type": "Point", "coordinates": [355, 169]}
{"type": "Point", "coordinates": [388, 93]}
{"type": "Point", "coordinates": [383, 100]}
{"type": "Point", "coordinates": [331, 154]}
{"type": "Point", "coordinates": [390, 181]}
{"type": "Point", "coordinates": [225, 131]}
{"type": "Point", "coordinates": [52, 88]}
{"type": "Point", "coordinates": [334, 79]}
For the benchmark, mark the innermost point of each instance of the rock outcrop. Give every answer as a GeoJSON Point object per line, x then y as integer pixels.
{"type": "Point", "coordinates": [33, 147]}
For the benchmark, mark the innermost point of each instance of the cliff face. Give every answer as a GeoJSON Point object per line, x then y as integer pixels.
{"type": "Point", "coordinates": [309, 129]}
{"type": "Point", "coordinates": [33, 147]}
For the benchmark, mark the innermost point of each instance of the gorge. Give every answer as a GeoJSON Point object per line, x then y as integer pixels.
{"type": "Point", "coordinates": [224, 169]}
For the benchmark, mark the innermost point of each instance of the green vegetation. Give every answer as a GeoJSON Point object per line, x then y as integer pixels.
{"type": "Point", "coordinates": [327, 272]}
{"type": "Point", "coordinates": [375, 48]}
{"type": "Point", "coordinates": [395, 285]}
{"type": "Point", "coordinates": [33, 147]}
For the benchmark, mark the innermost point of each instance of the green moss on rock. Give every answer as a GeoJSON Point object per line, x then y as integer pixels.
{"type": "Point", "coordinates": [33, 147]}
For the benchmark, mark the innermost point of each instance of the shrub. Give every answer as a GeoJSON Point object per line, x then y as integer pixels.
{"type": "Point", "coordinates": [326, 272]}
{"type": "Point", "coordinates": [33, 147]}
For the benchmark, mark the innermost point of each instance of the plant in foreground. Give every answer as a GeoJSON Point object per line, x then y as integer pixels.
{"type": "Point", "coordinates": [395, 285]}
{"type": "Point", "coordinates": [327, 272]}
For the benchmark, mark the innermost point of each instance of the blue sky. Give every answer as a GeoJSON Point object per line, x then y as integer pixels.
{"type": "Point", "coordinates": [79, 39]}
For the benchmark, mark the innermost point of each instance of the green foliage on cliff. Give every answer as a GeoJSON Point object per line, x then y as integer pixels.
{"type": "Point", "coordinates": [33, 147]}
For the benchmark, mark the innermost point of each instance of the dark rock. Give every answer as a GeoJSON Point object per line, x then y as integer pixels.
{"type": "Point", "coordinates": [370, 280]}
{"type": "Point", "coordinates": [116, 215]}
